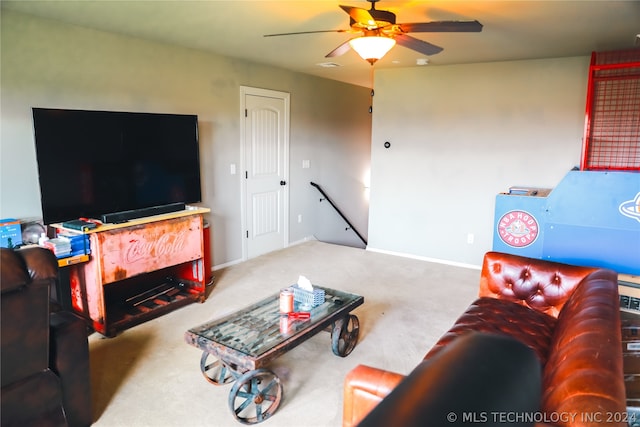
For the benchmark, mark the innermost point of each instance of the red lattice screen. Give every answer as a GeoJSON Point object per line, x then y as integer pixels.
{"type": "Point", "coordinates": [612, 122]}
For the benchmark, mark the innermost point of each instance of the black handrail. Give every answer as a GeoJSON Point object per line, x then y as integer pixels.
{"type": "Point", "coordinates": [328, 199]}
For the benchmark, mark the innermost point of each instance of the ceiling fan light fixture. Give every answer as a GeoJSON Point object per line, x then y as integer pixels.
{"type": "Point", "coordinates": [372, 48]}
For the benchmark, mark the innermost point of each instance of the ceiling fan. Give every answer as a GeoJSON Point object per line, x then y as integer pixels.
{"type": "Point", "coordinates": [377, 32]}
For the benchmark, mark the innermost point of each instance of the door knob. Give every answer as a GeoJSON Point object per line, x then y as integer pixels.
{"type": "Point", "coordinates": [283, 183]}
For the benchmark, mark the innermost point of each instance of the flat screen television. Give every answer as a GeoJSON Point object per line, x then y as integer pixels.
{"type": "Point", "coordinates": [92, 163]}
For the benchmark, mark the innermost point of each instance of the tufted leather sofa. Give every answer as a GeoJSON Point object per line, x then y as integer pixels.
{"type": "Point", "coordinates": [568, 315]}
{"type": "Point", "coordinates": [44, 355]}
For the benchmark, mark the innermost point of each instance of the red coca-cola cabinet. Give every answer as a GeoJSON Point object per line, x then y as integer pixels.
{"type": "Point", "coordinates": [140, 270]}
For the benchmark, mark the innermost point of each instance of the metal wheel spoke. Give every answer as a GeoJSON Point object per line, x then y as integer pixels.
{"type": "Point", "coordinates": [223, 374]}
{"type": "Point", "coordinates": [259, 412]}
{"type": "Point", "coordinates": [269, 386]}
{"type": "Point", "coordinates": [245, 395]}
{"type": "Point", "coordinates": [350, 336]}
{"type": "Point", "coordinates": [270, 397]}
{"type": "Point", "coordinates": [244, 405]}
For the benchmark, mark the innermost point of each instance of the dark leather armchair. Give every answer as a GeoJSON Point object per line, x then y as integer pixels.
{"type": "Point", "coordinates": [44, 356]}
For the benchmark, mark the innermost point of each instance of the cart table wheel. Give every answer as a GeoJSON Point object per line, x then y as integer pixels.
{"type": "Point", "coordinates": [344, 335]}
{"type": "Point", "coordinates": [255, 396]}
{"type": "Point", "coordinates": [214, 370]}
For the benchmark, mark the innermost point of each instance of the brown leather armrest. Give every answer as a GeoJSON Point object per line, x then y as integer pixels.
{"type": "Point", "coordinates": [41, 263]}
{"type": "Point", "coordinates": [13, 274]}
{"type": "Point", "coordinates": [21, 267]}
{"type": "Point", "coordinates": [364, 388]}
{"type": "Point", "coordinates": [584, 372]}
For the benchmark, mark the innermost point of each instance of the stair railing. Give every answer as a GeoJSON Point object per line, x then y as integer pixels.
{"type": "Point", "coordinates": [328, 199]}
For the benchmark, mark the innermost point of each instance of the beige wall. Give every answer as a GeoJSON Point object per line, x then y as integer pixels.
{"type": "Point", "coordinates": [460, 135]}
{"type": "Point", "coordinates": [48, 64]}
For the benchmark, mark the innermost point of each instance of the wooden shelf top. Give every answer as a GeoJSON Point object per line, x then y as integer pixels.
{"type": "Point", "coordinates": [190, 210]}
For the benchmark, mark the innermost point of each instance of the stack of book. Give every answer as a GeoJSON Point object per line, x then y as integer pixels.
{"type": "Point", "coordinates": [79, 243]}
{"type": "Point", "coordinates": [60, 246]}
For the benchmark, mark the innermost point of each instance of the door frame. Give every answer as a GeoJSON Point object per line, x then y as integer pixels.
{"type": "Point", "coordinates": [285, 97]}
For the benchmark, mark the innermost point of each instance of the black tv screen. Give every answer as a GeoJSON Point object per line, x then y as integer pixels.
{"type": "Point", "coordinates": [92, 163]}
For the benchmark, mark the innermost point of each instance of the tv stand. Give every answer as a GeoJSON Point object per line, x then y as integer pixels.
{"type": "Point", "coordinates": [140, 270]}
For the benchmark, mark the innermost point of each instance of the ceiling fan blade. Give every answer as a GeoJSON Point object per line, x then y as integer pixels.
{"type": "Point", "coordinates": [340, 50]}
{"type": "Point", "coordinates": [442, 27]}
{"type": "Point", "coordinates": [306, 32]}
{"type": "Point", "coordinates": [417, 45]}
{"type": "Point", "coordinates": [361, 16]}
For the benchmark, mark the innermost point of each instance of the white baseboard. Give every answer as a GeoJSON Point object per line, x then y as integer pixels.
{"type": "Point", "coordinates": [306, 239]}
{"type": "Point", "coordinates": [226, 264]}
{"type": "Point", "coordinates": [422, 258]}
{"type": "Point", "coordinates": [238, 261]}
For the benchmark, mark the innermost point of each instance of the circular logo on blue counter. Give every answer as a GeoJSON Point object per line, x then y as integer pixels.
{"type": "Point", "coordinates": [631, 208]}
{"type": "Point", "coordinates": [518, 228]}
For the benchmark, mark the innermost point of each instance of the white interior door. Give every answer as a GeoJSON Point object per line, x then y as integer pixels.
{"type": "Point", "coordinates": [265, 161]}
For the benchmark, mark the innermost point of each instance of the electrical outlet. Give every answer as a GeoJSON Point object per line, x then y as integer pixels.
{"type": "Point", "coordinates": [470, 238]}
{"type": "Point", "coordinates": [299, 218]}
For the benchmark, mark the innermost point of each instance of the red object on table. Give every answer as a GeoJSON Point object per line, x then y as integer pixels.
{"type": "Point", "coordinates": [299, 315]}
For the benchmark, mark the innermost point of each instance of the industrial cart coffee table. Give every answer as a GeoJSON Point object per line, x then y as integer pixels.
{"type": "Point", "coordinates": [238, 347]}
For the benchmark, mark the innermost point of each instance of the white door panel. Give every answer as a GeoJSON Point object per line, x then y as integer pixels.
{"type": "Point", "coordinates": [265, 144]}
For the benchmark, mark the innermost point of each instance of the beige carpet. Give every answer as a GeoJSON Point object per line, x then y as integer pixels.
{"type": "Point", "coordinates": [149, 376]}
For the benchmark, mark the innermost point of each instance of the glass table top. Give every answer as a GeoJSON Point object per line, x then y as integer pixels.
{"type": "Point", "coordinates": [261, 327]}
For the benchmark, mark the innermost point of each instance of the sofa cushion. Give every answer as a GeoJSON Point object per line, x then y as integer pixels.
{"type": "Point", "coordinates": [538, 284]}
{"type": "Point", "coordinates": [491, 315]}
{"type": "Point", "coordinates": [24, 331]}
{"type": "Point", "coordinates": [33, 402]}
{"type": "Point", "coordinates": [69, 358]}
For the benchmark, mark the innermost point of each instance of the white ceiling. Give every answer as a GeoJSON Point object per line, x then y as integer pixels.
{"type": "Point", "coordinates": [513, 30]}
